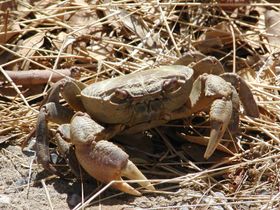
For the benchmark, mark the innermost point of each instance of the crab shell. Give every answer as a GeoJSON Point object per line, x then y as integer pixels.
{"type": "Point", "coordinates": [140, 97]}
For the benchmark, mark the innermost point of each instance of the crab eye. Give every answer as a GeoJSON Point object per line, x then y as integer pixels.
{"type": "Point", "coordinates": [119, 96]}
{"type": "Point", "coordinates": [171, 85]}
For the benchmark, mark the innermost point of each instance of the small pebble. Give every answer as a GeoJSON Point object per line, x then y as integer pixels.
{"type": "Point", "coordinates": [54, 158]}
{"type": "Point", "coordinates": [21, 181]}
{"type": "Point", "coordinates": [74, 199]}
{"type": "Point", "coordinates": [4, 199]}
{"type": "Point", "coordinates": [29, 150]}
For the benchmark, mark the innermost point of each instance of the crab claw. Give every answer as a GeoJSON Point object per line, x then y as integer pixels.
{"type": "Point", "coordinates": [212, 89]}
{"type": "Point", "coordinates": [107, 162]}
{"type": "Point", "coordinates": [220, 115]}
{"type": "Point", "coordinates": [103, 160]}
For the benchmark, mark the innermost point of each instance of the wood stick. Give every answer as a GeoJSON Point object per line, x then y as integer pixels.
{"type": "Point", "coordinates": [37, 77]}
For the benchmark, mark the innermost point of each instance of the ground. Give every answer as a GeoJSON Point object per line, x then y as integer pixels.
{"type": "Point", "coordinates": [46, 191]}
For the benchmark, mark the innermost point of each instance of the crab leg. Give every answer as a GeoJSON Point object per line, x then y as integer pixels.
{"type": "Point", "coordinates": [245, 94]}
{"type": "Point", "coordinates": [234, 121]}
{"type": "Point", "coordinates": [201, 63]}
{"type": "Point", "coordinates": [55, 113]}
{"type": "Point", "coordinates": [67, 150]}
{"type": "Point", "coordinates": [102, 159]}
{"type": "Point", "coordinates": [190, 57]}
{"type": "Point", "coordinates": [221, 110]}
{"type": "Point", "coordinates": [213, 90]}
{"type": "Point", "coordinates": [51, 111]}
{"type": "Point", "coordinates": [220, 115]}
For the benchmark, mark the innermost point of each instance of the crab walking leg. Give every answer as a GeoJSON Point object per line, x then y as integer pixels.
{"type": "Point", "coordinates": [102, 159]}
{"type": "Point", "coordinates": [209, 65]}
{"type": "Point", "coordinates": [55, 113]}
{"type": "Point", "coordinates": [220, 115]}
{"type": "Point", "coordinates": [245, 94]}
{"type": "Point", "coordinates": [234, 121]}
{"type": "Point", "coordinates": [66, 149]}
{"type": "Point", "coordinates": [71, 92]}
{"type": "Point", "coordinates": [51, 111]}
{"type": "Point", "coordinates": [190, 57]}
{"type": "Point", "coordinates": [42, 142]}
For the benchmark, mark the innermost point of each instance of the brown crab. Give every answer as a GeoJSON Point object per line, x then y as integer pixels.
{"type": "Point", "coordinates": [136, 102]}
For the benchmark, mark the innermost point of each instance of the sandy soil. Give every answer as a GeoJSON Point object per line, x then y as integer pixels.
{"type": "Point", "coordinates": [16, 193]}
{"type": "Point", "coordinates": [46, 191]}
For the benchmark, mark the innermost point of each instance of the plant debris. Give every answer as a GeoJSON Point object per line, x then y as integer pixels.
{"type": "Point", "coordinates": [105, 39]}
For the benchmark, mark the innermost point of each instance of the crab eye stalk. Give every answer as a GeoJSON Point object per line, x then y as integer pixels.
{"type": "Point", "coordinates": [171, 85]}
{"type": "Point", "coordinates": [119, 96]}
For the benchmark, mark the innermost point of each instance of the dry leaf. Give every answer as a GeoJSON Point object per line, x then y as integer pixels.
{"type": "Point", "coordinates": [29, 48]}
{"type": "Point", "coordinates": [82, 18]}
{"type": "Point", "coordinates": [215, 37]}
{"type": "Point", "coordinates": [8, 30]}
{"type": "Point", "coordinates": [272, 23]}
{"type": "Point", "coordinates": [100, 51]}
{"type": "Point", "coordinates": [138, 27]}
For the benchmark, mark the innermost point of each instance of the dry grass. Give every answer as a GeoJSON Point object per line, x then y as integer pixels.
{"type": "Point", "coordinates": [110, 39]}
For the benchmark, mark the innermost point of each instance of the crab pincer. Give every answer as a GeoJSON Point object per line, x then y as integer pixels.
{"type": "Point", "coordinates": [212, 90]}
{"type": "Point", "coordinates": [102, 159]}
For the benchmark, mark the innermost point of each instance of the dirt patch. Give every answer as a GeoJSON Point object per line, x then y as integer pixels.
{"type": "Point", "coordinates": [58, 193]}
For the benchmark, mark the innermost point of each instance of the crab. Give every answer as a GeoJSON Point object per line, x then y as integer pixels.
{"type": "Point", "coordinates": [136, 102]}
